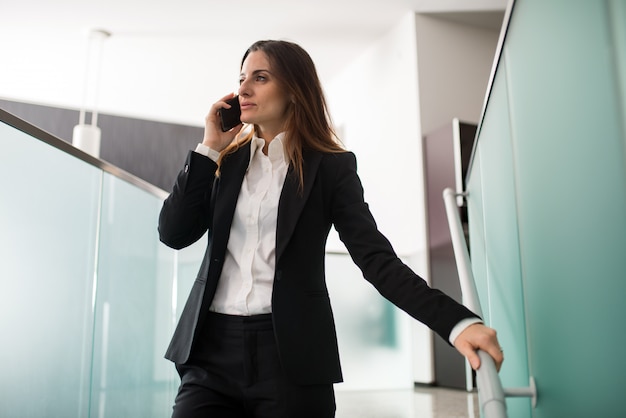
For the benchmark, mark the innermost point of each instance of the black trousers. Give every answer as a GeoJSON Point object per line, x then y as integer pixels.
{"type": "Point", "coordinates": [235, 372]}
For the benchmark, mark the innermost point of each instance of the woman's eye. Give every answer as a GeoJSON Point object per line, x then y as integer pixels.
{"type": "Point", "coordinates": [257, 77]}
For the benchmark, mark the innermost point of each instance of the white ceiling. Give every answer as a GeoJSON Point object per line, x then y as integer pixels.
{"type": "Point", "coordinates": [332, 30]}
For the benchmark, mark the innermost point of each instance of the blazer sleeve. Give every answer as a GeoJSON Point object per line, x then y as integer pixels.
{"type": "Point", "coordinates": [185, 215]}
{"type": "Point", "coordinates": [373, 254]}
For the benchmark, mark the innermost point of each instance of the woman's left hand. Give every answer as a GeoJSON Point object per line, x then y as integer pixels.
{"type": "Point", "coordinates": [479, 337]}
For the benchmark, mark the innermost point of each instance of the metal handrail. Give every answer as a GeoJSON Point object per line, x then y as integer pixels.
{"type": "Point", "coordinates": [491, 394]}
{"type": "Point", "coordinates": [64, 146]}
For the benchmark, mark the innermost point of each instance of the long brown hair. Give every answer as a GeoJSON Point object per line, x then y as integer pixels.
{"type": "Point", "coordinates": [308, 125]}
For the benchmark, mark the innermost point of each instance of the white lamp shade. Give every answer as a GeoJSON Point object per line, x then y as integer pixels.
{"type": "Point", "coordinates": [87, 138]}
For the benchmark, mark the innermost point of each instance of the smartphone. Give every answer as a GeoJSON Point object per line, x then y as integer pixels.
{"type": "Point", "coordinates": [229, 118]}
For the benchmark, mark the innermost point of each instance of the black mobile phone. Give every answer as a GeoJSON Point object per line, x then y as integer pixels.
{"type": "Point", "coordinates": [229, 118]}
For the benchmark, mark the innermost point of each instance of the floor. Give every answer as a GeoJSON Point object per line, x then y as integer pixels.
{"type": "Point", "coordinates": [421, 402]}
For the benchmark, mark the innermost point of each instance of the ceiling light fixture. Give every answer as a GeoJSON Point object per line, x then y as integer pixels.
{"type": "Point", "coordinates": [87, 137]}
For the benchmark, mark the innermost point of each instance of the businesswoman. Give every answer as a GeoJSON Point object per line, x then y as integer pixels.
{"type": "Point", "coordinates": [256, 337]}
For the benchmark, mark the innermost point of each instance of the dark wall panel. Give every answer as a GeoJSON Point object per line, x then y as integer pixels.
{"type": "Point", "coordinates": [440, 171]}
{"type": "Point", "coordinates": [152, 151]}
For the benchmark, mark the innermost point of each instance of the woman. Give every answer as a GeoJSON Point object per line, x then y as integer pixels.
{"type": "Point", "coordinates": [257, 337]}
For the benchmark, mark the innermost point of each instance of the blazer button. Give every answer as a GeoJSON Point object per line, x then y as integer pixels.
{"type": "Point", "coordinates": [279, 275]}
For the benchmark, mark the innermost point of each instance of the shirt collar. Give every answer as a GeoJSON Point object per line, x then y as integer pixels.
{"type": "Point", "coordinates": [275, 151]}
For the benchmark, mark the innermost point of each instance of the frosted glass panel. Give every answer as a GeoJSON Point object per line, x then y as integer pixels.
{"type": "Point", "coordinates": [130, 375]}
{"type": "Point", "coordinates": [374, 336]}
{"type": "Point", "coordinates": [476, 225]}
{"type": "Point", "coordinates": [47, 247]}
{"type": "Point", "coordinates": [558, 125]}
{"type": "Point", "coordinates": [569, 144]}
{"type": "Point", "coordinates": [88, 295]}
{"type": "Point", "coordinates": [502, 290]}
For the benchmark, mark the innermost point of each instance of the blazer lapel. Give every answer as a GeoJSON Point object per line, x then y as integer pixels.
{"type": "Point", "coordinates": [233, 170]}
{"type": "Point", "coordinates": [292, 200]}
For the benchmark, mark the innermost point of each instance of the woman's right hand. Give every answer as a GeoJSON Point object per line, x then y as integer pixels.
{"type": "Point", "coordinates": [214, 138]}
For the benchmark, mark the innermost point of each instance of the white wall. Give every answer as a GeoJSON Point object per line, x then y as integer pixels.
{"type": "Point", "coordinates": [452, 6]}
{"type": "Point", "coordinates": [455, 61]}
{"type": "Point", "coordinates": [375, 104]}
{"type": "Point", "coordinates": [139, 78]}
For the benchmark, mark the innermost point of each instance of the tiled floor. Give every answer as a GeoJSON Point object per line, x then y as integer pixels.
{"type": "Point", "coordinates": [421, 402]}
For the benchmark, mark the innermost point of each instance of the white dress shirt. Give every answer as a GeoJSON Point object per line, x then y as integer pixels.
{"type": "Point", "coordinates": [245, 287]}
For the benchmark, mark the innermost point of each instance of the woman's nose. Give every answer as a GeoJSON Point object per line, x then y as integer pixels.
{"type": "Point", "coordinates": [243, 89]}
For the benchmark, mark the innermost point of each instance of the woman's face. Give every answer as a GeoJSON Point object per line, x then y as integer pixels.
{"type": "Point", "coordinates": [263, 102]}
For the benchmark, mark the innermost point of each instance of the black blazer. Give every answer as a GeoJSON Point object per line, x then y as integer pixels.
{"type": "Point", "coordinates": [302, 315]}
